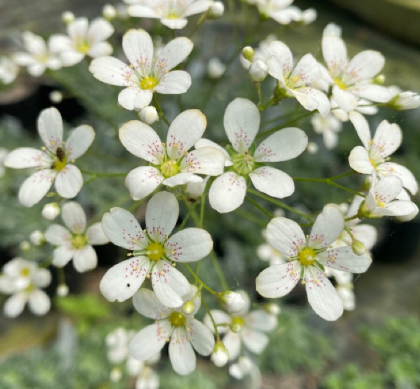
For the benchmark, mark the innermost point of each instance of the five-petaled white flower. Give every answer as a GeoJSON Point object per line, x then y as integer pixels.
{"type": "Point", "coordinates": [54, 162]}
{"type": "Point", "coordinates": [296, 81]}
{"type": "Point", "coordinates": [282, 11]}
{"type": "Point", "coordinates": [183, 332]}
{"type": "Point", "coordinates": [172, 13]}
{"type": "Point", "coordinates": [145, 75]}
{"type": "Point", "coordinates": [83, 39]}
{"type": "Point", "coordinates": [382, 200]}
{"type": "Point", "coordinates": [243, 327]}
{"type": "Point", "coordinates": [329, 126]}
{"type": "Point", "coordinates": [38, 56]}
{"type": "Point", "coordinates": [170, 164]}
{"type": "Point", "coordinates": [23, 280]}
{"type": "Point", "coordinates": [375, 153]}
{"type": "Point", "coordinates": [76, 241]}
{"type": "Point", "coordinates": [242, 121]}
{"type": "Point", "coordinates": [307, 258]}
{"type": "Point", "coordinates": [153, 252]}
{"type": "Point", "coordinates": [352, 79]}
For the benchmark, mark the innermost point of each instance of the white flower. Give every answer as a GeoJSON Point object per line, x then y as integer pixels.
{"type": "Point", "coordinates": [55, 162]}
{"type": "Point", "coordinates": [149, 115]}
{"type": "Point", "coordinates": [382, 200]}
{"type": "Point", "coordinates": [295, 81]}
{"type": "Point", "coordinates": [37, 238]}
{"type": "Point", "coordinates": [76, 241]}
{"type": "Point", "coordinates": [232, 301]}
{"type": "Point", "coordinates": [215, 68]}
{"type": "Point", "coordinates": [153, 251]}
{"type": "Point", "coordinates": [243, 327]}
{"type": "Point", "coordinates": [352, 79]}
{"type": "Point", "coordinates": [363, 106]}
{"type": "Point", "coordinates": [307, 258]}
{"type": "Point", "coordinates": [38, 57]}
{"type": "Point", "coordinates": [249, 55]}
{"type": "Point", "coordinates": [170, 163]}
{"type": "Point", "coordinates": [220, 354]}
{"type": "Point", "coordinates": [83, 39]}
{"type": "Point", "coordinates": [283, 13]}
{"type": "Point", "coordinates": [216, 10]}
{"type": "Point", "coordinates": [403, 100]}
{"type": "Point", "coordinates": [3, 155]}
{"type": "Point", "coordinates": [172, 13]}
{"type": "Point", "coordinates": [146, 74]}
{"type": "Point", "coordinates": [328, 126]}
{"type": "Point", "coordinates": [109, 12]}
{"type": "Point", "coordinates": [8, 70]}
{"type": "Point", "coordinates": [243, 367]}
{"type": "Point", "coordinates": [51, 211]}
{"type": "Point", "coordinates": [375, 153]}
{"type": "Point", "coordinates": [242, 121]}
{"type": "Point", "coordinates": [183, 331]}
{"type": "Point", "coordinates": [23, 280]}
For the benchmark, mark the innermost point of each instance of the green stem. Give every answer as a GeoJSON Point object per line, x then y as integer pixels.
{"type": "Point", "coordinates": [210, 290]}
{"type": "Point", "coordinates": [256, 205]}
{"type": "Point", "coordinates": [281, 204]}
{"type": "Point", "coordinates": [211, 318]}
{"type": "Point", "coordinates": [96, 175]}
{"type": "Point", "coordinates": [187, 216]}
{"type": "Point", "coordinates": [219, 271]}
{"type": "Point", "coordinates": [249, 216]}
{"type": "Point", "coordinates": [159, 110]}
{"type": "Point", "coordinates": [269, 103]}
{"type": "Point", "coordinates": [203, 17]}
{"type": "Point", "coordinates": [202, 209]}
{"type": "Point", "coordinates": [328, 181]}
{"type": "Point", "coordinates": [260, 96]}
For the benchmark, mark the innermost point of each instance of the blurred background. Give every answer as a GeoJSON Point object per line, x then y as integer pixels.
{"type": "Point", "coordinates": [376, 346]}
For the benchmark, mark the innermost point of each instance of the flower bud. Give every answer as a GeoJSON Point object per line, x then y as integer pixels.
{"type": "Point", "coordinates": [248, 53]}
{"type": "Point", "coordinates": [67, 17]}
{"type": "Point", "coordinates": [379, 79]}
{"type": "Point", "coordinates": [273, 309]}
{"type": "Point", "coordinates": [25, 246]}
{"type": "Point", "coordinates": [215, 68]}
{"type": "Point", "coordinates": [109, 12]}
{"type": "Point", "coordinates": [358, 247]}
{"type": "Point", "coordinates": [220, 354]}
{"type": "Point", "coordinates": [115, 375]}
{"type": "Point", "coordinates": [308, 16]}
{"type": "Point", "coordinates": [216, 10]}
{"type": "Point", "coordinates": [56, 97]}
{"type": "Point", "coordinates": [51, 211]}
{"type": "Point", "coordinates": [37, 238]}
{"type": "Point", "coordinates": [232, 301]}
{"type": "Point", "coordinates": [312, 148]}
{"type": "Point", "coordinates": [188, 308]}
{"type": "Point", "coordinates": [62, 290]}
{"type": "Point", "coordinates": [405, 100]}
{"type": "Point", "coordinates": [149, 115]}
{"type": "Point", "coordinates": [258, 71]}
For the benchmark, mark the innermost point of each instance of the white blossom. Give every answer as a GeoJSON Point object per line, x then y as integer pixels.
{"type": "Point", "coordinates": [216, 10]}
{"type": "Point", "coordinates": [37, 238]}
{"type": "Point", "coordinates": [283, 12]}
{"type": "Point", "coordinates": [328, 126]}
{"type": "Point", "coordinates": [8, 70]}
{"type": "Point", "coordinates": [232, 301]}
{"type": "Point", "coordinates": [149, 115]}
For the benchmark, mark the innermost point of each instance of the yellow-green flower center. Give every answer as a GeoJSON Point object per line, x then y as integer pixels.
{"type": "Point", "coordinates": [177, 319]}
{"type": "Point", "coordinates": [238, 321]}
{"type": "Point", "coordinates": [172, 15]}
{"type": "Point", "coordinates": [243, 164]}
{"type": "Point", "coordinates": [340, 83]}
{"type": "Point", "coordinates": [155, 251]}
{"type": "Point", "coordinates": [79, 241]}
{"type": "Point", "coordinates": [25, 271]}
{"type": "Point", "coordinates": [83, 47]}
{"type": "Point", "coordinates": [169, 168]}
{"type": "Point", "coordinates": [307, 257]}
{"type": "Point", "coordinates": [148, 83]}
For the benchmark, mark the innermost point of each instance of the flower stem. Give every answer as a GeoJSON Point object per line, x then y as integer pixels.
{"type": "Point", "coordinates": [210, 290]}
{"type": "Point", "coordinates": [328, 181]}
{"type": "Point", "coordinates": [159, 110]}
{"type": "Point", "coordinates": [96, 175]}
{"type": "Point", "coordinates": [211, 318]}
{"type": "Point", "coordinates": [256, 205]}
{"type": "Point", "coordinates": [219, 271]}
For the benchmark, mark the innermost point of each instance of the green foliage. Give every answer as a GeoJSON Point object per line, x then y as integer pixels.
{"type": "Point", "coordinates": [352, 378]}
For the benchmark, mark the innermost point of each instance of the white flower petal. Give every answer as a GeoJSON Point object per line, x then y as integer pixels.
{"type": "Point", "coordinates": [345, 100]}
{"type": "Point", "coordinates": [173, 54]}
{"type": "Point", "coordinates": [328, 226]}
{"type": "Point", "coordinates": [79, 141]}
{"type": "Point", "coordinates": [377, 93]}
{"type": "Point", "coordinates": [39, 303]}
{"type": "Point", "coordinates": [282, 145]}
{"type": "Point", "coordinates": [74, 217]}
{"type": "Point", "coordinates": [232, 342]}
{"type": "Point", "coordinates": [70, 58]}
{"type": "Point", "coordinates": [278, 280]}
{"type": "Point", "coordinates": [272, 181]}
{"type": "Point", "coordinates": [85, 259]}
{"type": "Point", "coordinates": [141, 11]}
{"type": "Point", "coordinates": [182, 179]}
{"type": "Point", "coordinates": [334, 50]}
{"type": "Point", "coordinates": [95, 234]}
{"type": "Point", "coordinates": [62, 255]}
{"type": "Point", "coordinates": [362, 127]}
{"type": "Point", "coordinates": [283, 63]}
{"type": "Point", "coordinates": [15, 304]}
{"type": "Point", "coordinates": [142, 141]}
{"type": "Point", "coordinates": [169, 284]}
{"type": "Point", "coordinates": [25, 157]}
{"type": "Point", "coordinates": [59, 42]}
{"type": "Point", "coordinates": [185, 130]}
{"type": "Point", "coordinates": [112, 71]}
{"type": "Point", "coordinates": [254, 341]}
{"type": "Point", "coordinates": [174, 83]}
{"type": "Point", "coordinates": [175, 24]}
{"type": "Point", "coordinates": [227, 192]}
{"type": "Point", "coordinates": [205, 160]}
{"type": "Point", "coordinates": [78, 29]}
{"type": "Point", "coordinates": [138, 48]}
{"type": "Point", "coordinates": [307, 69]}
{"type": "Point", "coordinates": [124, 279]}
{"type": "Point", "coordinates": [181, 353]}
{"type": "Point", "coordinates": [99, 30]}
{"type": "Point", "coordinates": [35, 187]}
{"type": "Point", "coordinates": [387, 139]}
{"type": "Point", "coordinates": [407, 178]}
{"type": "Point", "coordinates": [147, 304]}
{"type": "Point", "coordinates": [134, 97]}
{"type": "Point", "coordinates": [261, 320]}
{"type": "Point", "coordinates": [150, 340]}
{"type": "Point", "coordinates": [189, 245]}
{"type": "Point", "coordinates": [100, 49]}
{"type": "Point", "coordinates": [367, 234]}
{"type": "Point", "coordinates": [198, 6]}
{"type": "Point", "coordinates": [344, 259]}
{"type": "Point", "coordinates": [219, 317]}
{"type": "Point", "coordinates": [404, 210]}
{"type": "Point", "coordinates": [142, 181]}
{"type": "Point", "coordinates": [366, 64]}
{"type": "Point", "coordinates": [41, 278]}
{"type": "Point", "coordinates": [208, 143]}
{"type": "Point", "coordinates": [69, 182]}
{"type": "Point", "coordinates": [322, 295]}
{"type": "Point", "coordinates": [122, 228]}
{"type": "Point", "coordinates": [359, 160]}
{"type": "Point", "coordinates": [201, 337]}
{"type": "Point", "coordinates": [311, 98]}
{"type": "Point", "coordinates": [50, 128]}
{"type": "Point", "coordinates": [241, 121]}
{"type": "Point", "coordinates": [285, 236]}
{"type": "Point", "coordinates": [57, 235]}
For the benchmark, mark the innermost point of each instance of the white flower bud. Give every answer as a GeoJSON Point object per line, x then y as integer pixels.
{"type": "Point", "coordinates": [115, 375]}
{"type": "Point", "coordinates": [312, 148]}
{"type": "Point", "coordinates": [215, 68]}
{"type": "Point", "coordinates": [358, 247]}
{"type": "Point", "coordinates": [51, 211]}
{"type": "Point", "coordinates": [67, 17]}
{"type": "Point", "coordinates": [220, 354]}
{"type": "Point", "coordinates": [248, 53]}
{"type": "Point", "coordinates": [62, 290]}
{"type": "Point", "coordinates": [188, 307]}
{"type": "Point", "coordinates": [25, 246]}
{"type": "Point", "coordinates": [405, 100]}
{"type": "Point", "coordinates": [216, 10]}
{"type": "Point", "coordinates": [37, 238]}
{"type": "Point", "coordinates": [149, 115]}
{"type": "Point", "coordinates": [56, 97]}
{"type": "Point", "coordinates": [232, 301]}
{"type": "Point", "coordinates": [273, 309]}
{"type": "Point", "coordinates": [109, 12]}
{"type": "Point", "coordinates": [308, 16]}
{"type": "Point", "coordinates": [258, 71]}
